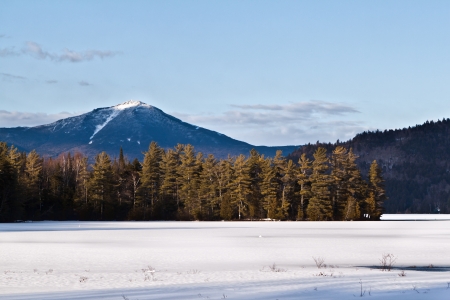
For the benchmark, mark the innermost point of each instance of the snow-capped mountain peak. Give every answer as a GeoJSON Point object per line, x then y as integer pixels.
{"type": "Point", "coordinates": [128, 104]}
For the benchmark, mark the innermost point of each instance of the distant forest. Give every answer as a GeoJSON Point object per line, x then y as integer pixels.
{"type": "Point", "coordinates": [180, 184]}
{"type": "Point", "coordinates": [415, 162]}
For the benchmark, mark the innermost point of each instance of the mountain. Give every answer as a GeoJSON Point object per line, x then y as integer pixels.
{"type": "Point", "coordinates": [131, 125]}
{"type": "Point", "coordinates": [415, 163]}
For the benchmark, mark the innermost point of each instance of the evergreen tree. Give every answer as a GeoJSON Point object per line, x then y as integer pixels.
{"type": "Point", "coordinates": [269, 189]}
{"type": "Point", "coordinates": [339, 181]}
{"type": "Point", "coordinates": [8, 182]}
{"type": "Point", "coordinates": [102, 185]}
{"type": "Point", "coordinates": [209, 188]}
{"type": "Point", "coordinates": [224, 176]}
{"type": "Point", "coordinates": [303, 181]}
{"type": "Point", "coordinates": [170, 182]}
{"type": "Point", "coordinates": [288, 181]}
{"type": "Point", "coordinates": [150, 178]}
{"type": "Point", "coordinates": [320, 207]}
{"type": "Point", "coordinates": [377, 194]}
{"type": "Point", "coordinates": [188, 172]}
{"type": "Point", "coordinates": [33, 176]}
{"type": "Point", "coordinates": [240, 190]}
{"type": "Point", "coordinates": [254, 163]}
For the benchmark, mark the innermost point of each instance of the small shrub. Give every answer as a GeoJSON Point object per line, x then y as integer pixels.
{"type": "Point", "coordinates": [402, 273]}
{"type": "Point", "coordinates": [320, 262]}
{"type": "Point", "coordinates": [274, 268]}
{"type": "Point", "coordinates": [387, 261]}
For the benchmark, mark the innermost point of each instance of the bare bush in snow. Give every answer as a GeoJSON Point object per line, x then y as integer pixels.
{"type": "Point", "coordinates": [387, 261]}
{"type": "Point", "coordinates": [320, 262]}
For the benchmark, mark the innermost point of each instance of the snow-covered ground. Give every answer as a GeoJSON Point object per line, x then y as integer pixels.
{"type": "Point", "coordinates": [217, 260]}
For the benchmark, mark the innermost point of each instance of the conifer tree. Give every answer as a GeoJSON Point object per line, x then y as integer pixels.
{"type": "Point", "coordinates": [188, 173]}
{"type": "Point", "coordinates": [254, 168]}
{"type": "Point", "coordinates": [8, 180]}
{"type": "Point", "coordinates": [269, 189]}
{"type": "Point", "coordinates": [101, 185]}
{"type": "Point", "coordinates": [209, 188]}
{"type": "Point", "coordinates": [288, 181]}
{"type": "Point", "coordinates": [150, 178]}
{"type": "Point", "coordinates": [170, 182]}
{"type": "Point", "coordinates": [320, 207]}
{"type": "Point", "coordinates": [355, 188]}
{"type": "Point", "coordinates": [33, 175]}
{"type": "Point", "coordinates": [377, 194]}
{"type": "Point", "coordinates": [303, 181]}
{"type": "Point", "coordinates": [224, 176]}
{"type": "Point", "coordinates": [240, 190]}
{"type": "Point", "coordinates": [339, 181]}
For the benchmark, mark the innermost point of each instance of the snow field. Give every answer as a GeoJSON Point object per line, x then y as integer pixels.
{"type": "Point", "coordinates": [212, 260]}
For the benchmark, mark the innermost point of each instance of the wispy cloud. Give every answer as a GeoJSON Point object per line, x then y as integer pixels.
{"type": "Point", "coordinates": [15, 118]}
{"type": "Point", "coordinates": [294, 123]}
{"type": "Point", "coordinates": [67, 55]}
{"type": "Point", "coordinates": [51, 81]}
{"type": "Point", "coordinates": [9, 77]}
{"type": "Point", "coordinates": [84, 83]}
{"type": "Point", "coordinates": [8, 52]}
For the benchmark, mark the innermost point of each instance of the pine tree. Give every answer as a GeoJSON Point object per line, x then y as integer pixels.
{"type": "Point", "coordinates": [150, 178]}
{"type": "Point", "coordinates": [101, 185]}
{"type": "Point", "coordinates": [240, 190]}
{"type": "Point", "coordinates": [269, 189]}
{"type": "Point", "coordinates": [377, 194]}
{"type": "Point", "coordinates": [170, 182]}
{"type": "Point", "coordinates": [339, 182]}
{"type": "Point", "coordinates": [8, 182]}
{"type": "Point", "coordinates": [224, 175]}
{"type": "Point", "coordinates": [355, 188]}
{"type": "Point", "coordinates": [288, 181]}
{"type": "Point", "coordinates": [320, 206]}
{"type": "Point", "coordinates": [304, 182]}
{"type": "Point", "coordinates": [209, 188]}
{"type": "Point", "coordinates": [188, 172]}
{"type": "Point", "coordinates": [33, 176]}
{"type": "Point", "coordinates": [254, 168]}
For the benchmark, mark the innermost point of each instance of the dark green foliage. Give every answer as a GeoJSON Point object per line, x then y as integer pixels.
{"type": "Point", "coordinates": [181, 184]}
{"type": "Point", "coordinates": [414, 162]}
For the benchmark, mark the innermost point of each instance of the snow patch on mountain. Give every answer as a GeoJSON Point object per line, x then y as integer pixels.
{"type": "Point", "coordinates": [114, 114]}
{"type": "Point", "coordinates": [128, 104]}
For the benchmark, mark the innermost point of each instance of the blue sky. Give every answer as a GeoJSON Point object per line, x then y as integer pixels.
{"type": "Point", "coordinates": [266, 72]}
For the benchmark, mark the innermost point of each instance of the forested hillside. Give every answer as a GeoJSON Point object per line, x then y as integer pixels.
{"type": "Point", "coordinates": [180, 184]}
{"type": "Point", "coordinates": [415, 163]}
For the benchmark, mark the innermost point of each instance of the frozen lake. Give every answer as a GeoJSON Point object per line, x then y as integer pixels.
{"type": "Point", "coordinates": [217, 260]}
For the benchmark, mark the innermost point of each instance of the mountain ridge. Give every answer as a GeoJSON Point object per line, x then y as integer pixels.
{"type": "Point", "coordinates": [131, 125]}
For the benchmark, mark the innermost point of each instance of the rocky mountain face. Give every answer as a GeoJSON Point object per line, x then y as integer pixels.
{"type": "Point", "coordinates": [415, 163]}
{"type": "Point", "coordinates": [131, 125]}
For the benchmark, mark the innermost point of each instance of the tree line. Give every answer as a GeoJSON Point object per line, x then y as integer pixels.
{"type": "Point", "coordinates": [180, 184]}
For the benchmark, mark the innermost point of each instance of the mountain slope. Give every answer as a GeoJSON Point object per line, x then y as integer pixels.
{"type": "Point", "coordinates": [415, 162]}
{"type": "Point", "coordinates": [131, 125]}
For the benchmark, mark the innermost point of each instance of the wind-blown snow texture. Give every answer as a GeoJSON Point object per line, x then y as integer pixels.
{"type": "Point", "coordinates": [131, 125]}
{"type": "Point", "coordinates": [213, 260]}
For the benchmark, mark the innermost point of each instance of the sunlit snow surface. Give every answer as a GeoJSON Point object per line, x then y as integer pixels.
{"type": "Point", "coordinates": [213, 260]}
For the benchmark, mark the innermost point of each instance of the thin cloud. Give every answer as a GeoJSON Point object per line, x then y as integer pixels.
{"type": "Point", "coordinates": [295, 123]}
{"type": "Point", "coordinates": [15, 118]}
{"type": "Point", "coordinates": [84, 83]}
{"type": "Point", "coordinates": [51, 81]}
{"type": "Point", "coordinates": [307, 107]}
{"type": "Point", "coordinates": [9, 77]}
{"type": "Point", "coordinates": [8, 52]}
{"type": "Point", "coordinates": [67, 55]}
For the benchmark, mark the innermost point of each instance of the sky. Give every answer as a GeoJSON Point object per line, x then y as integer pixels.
{"type": "Point", "coordinates": [264, 72]}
